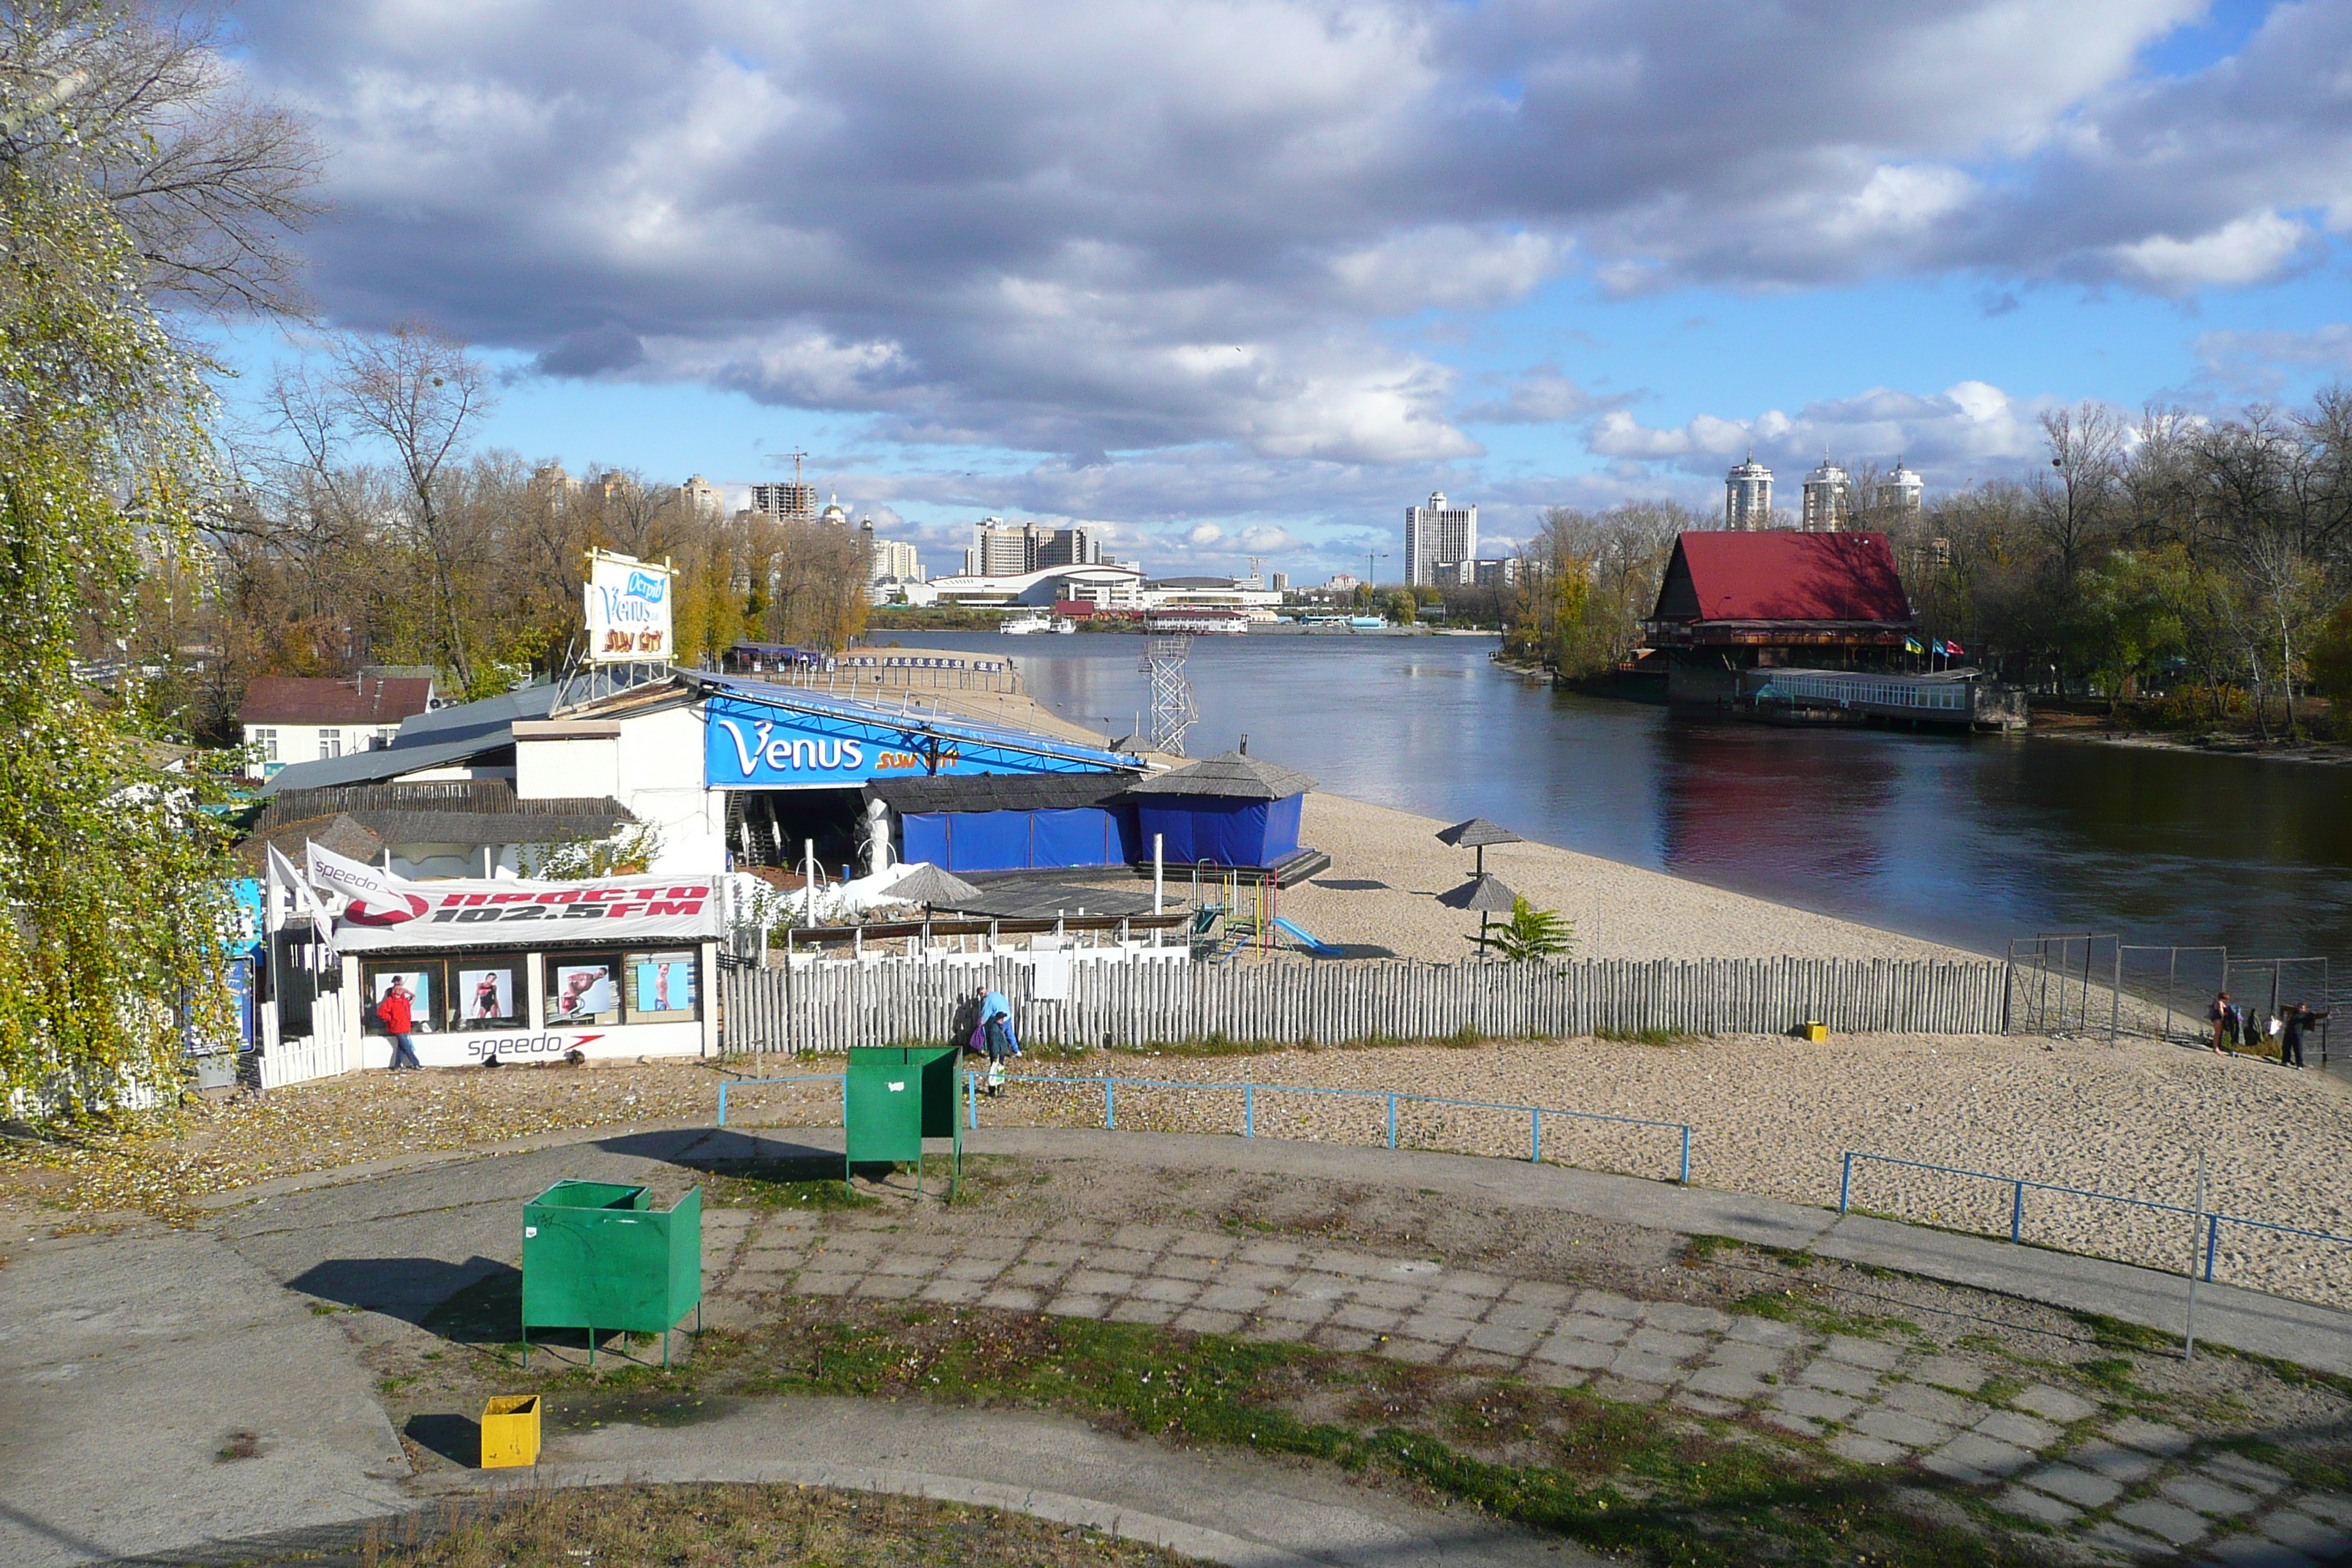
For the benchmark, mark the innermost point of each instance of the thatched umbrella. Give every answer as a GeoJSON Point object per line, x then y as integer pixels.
{"type": "Point", "coordinates": [929, 886]}
{"type": "Point", "coordinates": [1484, 894]}
{"type": "Point", "coordinates": [1476, 834]}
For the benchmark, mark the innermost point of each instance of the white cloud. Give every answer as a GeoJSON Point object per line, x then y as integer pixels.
{"type": "Point", "coordinates": [1967, 431]}
{"type": "Point", "coordinates": [1201, 535]}
{"type": "Point", "coordinates": [2249, 249]}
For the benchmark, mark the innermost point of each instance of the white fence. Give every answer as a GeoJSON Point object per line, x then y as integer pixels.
{"type": "Point", "coordinates": [301, 1061]}
{"type": "Point", "coordinates": [833, 1006]}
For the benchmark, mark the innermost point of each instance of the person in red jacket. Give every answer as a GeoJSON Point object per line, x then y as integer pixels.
{"type": "Point", "coordinates": [396, 1013]}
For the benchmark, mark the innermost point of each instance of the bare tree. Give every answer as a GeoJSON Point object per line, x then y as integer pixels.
{"type": "Point", "coordinates": [135, 103]}
{"type": "Point", "coordinates": [2074, 503]}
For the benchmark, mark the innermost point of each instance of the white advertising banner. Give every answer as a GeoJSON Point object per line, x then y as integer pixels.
{"type": "Point", "coordinates": [627, 610]}
{"type": "Point", "coordinates": [378, 911]}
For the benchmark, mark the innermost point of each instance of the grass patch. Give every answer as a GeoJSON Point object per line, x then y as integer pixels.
{"type": "Point", "coordinates": [807, 1184]}
{"type": "Point", "coordinates": [2115, 1334]}
{"type": "Point", "coordinates": [2113, 1375]}
{"type": "Point", "coordinates": [1654, 1483]}
{"type": "Point", "coordinates": [721, 1526]}
{"type": "Point", "coordinates": [1789, 1307]}
{"type": "Point", "coordinates": [1649, 1036]}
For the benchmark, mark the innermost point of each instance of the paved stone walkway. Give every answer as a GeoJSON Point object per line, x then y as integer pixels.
{"type": "Point", "coordinates": [2045, 1454]}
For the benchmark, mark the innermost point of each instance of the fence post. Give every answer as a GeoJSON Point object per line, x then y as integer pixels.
{"type": "Point", "coordinates": [1685, 1178]}
{"type": "Point", "coordinates": [2017, 1214]}
{"type": "Point", "coordinates": [1846, 1183]}
{"type": "Point", "coordinates": [1535, 1137]}
{"type": "Point", "coordinates": [2212, 1239]}
{"type": "Point", "coordinates": [1111, 1110]}
{"type": "Point", "coordinates": [722, 1102]}
{"type": "Point", "coordinates": [1393, 1121]}
{"type": "Point", "coordinates": [1249, 1111]}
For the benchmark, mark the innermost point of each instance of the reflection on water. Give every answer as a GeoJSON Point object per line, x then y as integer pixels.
{"type": "Point", "coordinates": [1966, 840]}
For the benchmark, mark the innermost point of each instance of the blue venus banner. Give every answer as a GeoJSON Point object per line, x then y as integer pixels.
{"type": "Point", "coordinates": [752, 745]}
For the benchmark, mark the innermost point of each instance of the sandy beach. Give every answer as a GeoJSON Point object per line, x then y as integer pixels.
{"type": "Point", "coordinates": [1388, 868]}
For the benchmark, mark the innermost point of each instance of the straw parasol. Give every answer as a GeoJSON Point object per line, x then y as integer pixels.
{"type": "Point", "coordinates": [929, 886]}
{"type": "Point", "coordinates": [1476, 834]}
{"type": "Point", "coordinates": [1484, 894]}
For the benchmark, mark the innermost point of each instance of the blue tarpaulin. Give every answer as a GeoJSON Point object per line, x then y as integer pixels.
{"type": "Point", "coordinates": [1019, 840]}
{"type": "Point", "coordinates": [1221, 830]}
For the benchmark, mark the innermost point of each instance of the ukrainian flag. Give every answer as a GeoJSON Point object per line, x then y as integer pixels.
{"type": "Point", "coordinates": [1911, 645]}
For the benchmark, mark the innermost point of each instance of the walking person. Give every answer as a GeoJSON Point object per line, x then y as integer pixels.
{"type": "Point", "coordinates": [2224, 1019]}
{"type": "Point", "coordinates": [996, 1036]}
{"type": "Point", "coordinates": [2292, 1023]}
{"type": "Point", "coordinates": [397, 1014]}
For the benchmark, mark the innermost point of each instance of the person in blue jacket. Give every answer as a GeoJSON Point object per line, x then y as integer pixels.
{"type": "Point", "coordinates": [994, 1036]}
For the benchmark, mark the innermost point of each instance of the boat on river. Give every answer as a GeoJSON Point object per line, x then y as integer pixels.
{"type": "Point", "coordinates": [1037, 621]}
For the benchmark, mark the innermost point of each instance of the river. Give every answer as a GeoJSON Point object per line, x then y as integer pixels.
{"type": "Point", "coordinates": [1968, 840]}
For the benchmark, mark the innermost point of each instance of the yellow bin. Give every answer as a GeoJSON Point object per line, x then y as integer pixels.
{"type": "Point", "coordinates": [511, 1431]}
{"type": "Point", "coordinates": [1817, 1032]}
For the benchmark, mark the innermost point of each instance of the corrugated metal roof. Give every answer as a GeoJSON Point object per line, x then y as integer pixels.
{"type": "Point", "coordinates": [1783, 576]}
{"type": "Point", "coordinates": [1234, 775]}
{"type": "Point", "coordinates": [439, 739]}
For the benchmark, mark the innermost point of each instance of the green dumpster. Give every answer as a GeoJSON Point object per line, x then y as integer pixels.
{"type": "Point", "coordinates": [893, 1098]}
{"type": "Point", "coordinates": [598, 1256]}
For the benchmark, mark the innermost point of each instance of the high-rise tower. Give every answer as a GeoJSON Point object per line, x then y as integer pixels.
{"type": "Point", "coordinates": [1747, 497]}
{"type": "Point", "coordinates": [1438, 535]}
{"type": "Point", "coordinates": [1825, 498]}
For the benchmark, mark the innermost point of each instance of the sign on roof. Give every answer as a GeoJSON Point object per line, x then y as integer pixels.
{"type": "Point", "coordinates": [627, 610]}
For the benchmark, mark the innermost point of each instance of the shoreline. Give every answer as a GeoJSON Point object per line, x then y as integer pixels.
{"type": "Point", "coordinates": [2317, 753]}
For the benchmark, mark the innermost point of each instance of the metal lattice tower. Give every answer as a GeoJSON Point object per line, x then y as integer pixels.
{"type": "Point", "coordinates": [1173, 711]}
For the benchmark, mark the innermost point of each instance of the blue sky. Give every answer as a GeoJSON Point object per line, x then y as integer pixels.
{"type": "Point", "coordinates": [1254, 276]}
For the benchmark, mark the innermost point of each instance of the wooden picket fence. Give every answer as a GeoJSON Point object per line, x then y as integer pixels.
{"type": "Point", "coordinates": [832, 1007]}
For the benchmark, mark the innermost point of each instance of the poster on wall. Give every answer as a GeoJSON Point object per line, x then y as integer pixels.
{"type": "Point", "coordinates": [661, 987]}
{"type": "Point", "coordinates": [416, 985]}
{"type": "Point", "coordinates": [627, 609]}
{"type": "Point", "coordinates": [582, 992]}
{"type": "Point", "coordinates": [488, 996]}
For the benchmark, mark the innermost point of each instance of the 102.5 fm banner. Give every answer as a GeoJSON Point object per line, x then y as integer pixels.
{"type": "Point", "coordinates": [375, 910]}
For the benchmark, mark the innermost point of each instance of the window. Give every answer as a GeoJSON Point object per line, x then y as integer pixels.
{"type": "Point", "coordinates": [267, 742]}
{"type": "Point", "coordinates": [418, 982]}
{"type": "Point", "coordinates": [661, 987]}
{"type": "Point", "coordinates": [330, 742]}
{"type": "Point", "coordinates": [583, 988]}
{"type": "Point", "coordinates": [488, 993]}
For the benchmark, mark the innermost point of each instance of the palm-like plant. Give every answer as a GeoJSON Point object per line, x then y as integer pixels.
{"type": "Point", "coordinates": [1532, 933]}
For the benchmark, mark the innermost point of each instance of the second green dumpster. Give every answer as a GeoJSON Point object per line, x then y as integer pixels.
{"type": "Point", "coordinates": [893, 1098]}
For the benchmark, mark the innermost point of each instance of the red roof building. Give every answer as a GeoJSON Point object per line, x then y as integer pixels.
{"type": "Point", "coordinates": [302, 718]}
{"type": "Point", "coordinates": [1781, 589]}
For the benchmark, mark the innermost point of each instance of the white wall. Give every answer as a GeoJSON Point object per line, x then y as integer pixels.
{"type": "Point", "coordinates": [654, 769]}
{"type": "Point", "coordinates": [299, 742]}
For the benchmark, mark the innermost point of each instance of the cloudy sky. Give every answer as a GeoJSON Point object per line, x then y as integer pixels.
{"type": "Point", "coordinates": [1253, 275]}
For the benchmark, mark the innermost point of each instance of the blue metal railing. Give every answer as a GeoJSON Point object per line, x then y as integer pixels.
{"type": "Point", "coordinates": [1250, 1091]}
{"type": "Point", "coordinates": [2212, 1220]}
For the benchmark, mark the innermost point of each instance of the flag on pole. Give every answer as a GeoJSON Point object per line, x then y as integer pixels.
{"type": "Point", "coordinates": [1954, 648]}
{"type": "Point", "coordinates": [1912, 645]}
{"type": "Point", "coordinates": [1939, 647]}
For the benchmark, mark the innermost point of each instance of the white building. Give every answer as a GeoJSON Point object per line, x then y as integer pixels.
{"type": "Point", "coordinates": [895, 561]}
{"type": "Point", "coordinates": [1437, 535]}
{"type": "Point", "coordinates": [303, 719]}
{"type": "Point", "coordinates": [1747, 497]}
{"type": "Point", "coordinates": [1108, 585]}
{"type": "Point", "coordinates": [703, 499]}
{"type": "Point", "coordinates": [1826, 499]}
{"type": "Point", "coordinates": [1901, 493]}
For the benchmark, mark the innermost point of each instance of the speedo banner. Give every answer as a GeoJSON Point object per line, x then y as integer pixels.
{"type": "Point", "coordinates": [375, 910]}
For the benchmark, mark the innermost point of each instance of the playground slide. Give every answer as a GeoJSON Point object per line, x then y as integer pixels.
{"type": "Point", "coordinates": [1321, 948]}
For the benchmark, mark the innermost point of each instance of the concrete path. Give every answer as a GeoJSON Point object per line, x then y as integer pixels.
{"type": "Point", "coordinates": [157, 1390]}
{"type": "Point", "coordinates": [1222, 1506]}
{"type": "Point", "coordinates": [129, 1364]}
